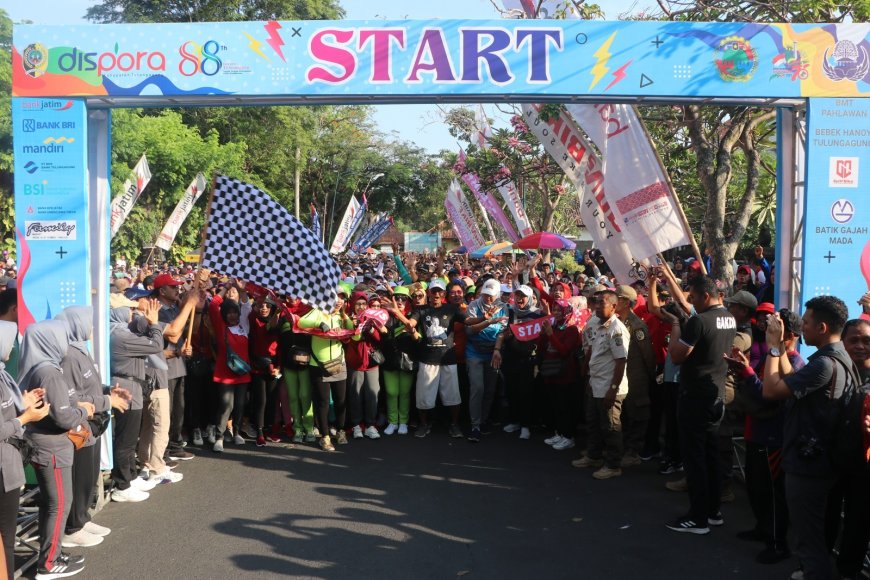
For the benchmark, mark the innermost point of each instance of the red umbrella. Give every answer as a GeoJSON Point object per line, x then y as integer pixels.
{"type": "Point", "coordinates": [545, 241]}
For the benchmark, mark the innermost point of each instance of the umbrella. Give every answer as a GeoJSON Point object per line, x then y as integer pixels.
{"type": "Point", "coordinates": [459, 250]}
{"type": "Point", "coordinates": [481, 251]}
{"type": "Point", "coordinates": [545, 241]}
{"type": "Point", "coordinates": [502, 248]}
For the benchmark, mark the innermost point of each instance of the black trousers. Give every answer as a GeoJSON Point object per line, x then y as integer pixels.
{"type": "Point", "coordinates": [55, 491]}
{"type": "Point", "coordinates": [8, 523]}
{"type": "Point", "coordinates": [520, 382]}
{"type": "Point", "coordinates": [652, 439]}
{"type": "Point", "coordinates": [851, 494]}
{"type": "Point", "coordinates": [765, 486]}
{"type": "Point", "coordinates": [176, 415]}
{"type": "Point", "coordinates": [127, 426]}
{"type": "Point", "coordinates": [807, 498]}
{"type": "Point", "coordinates": [673, 451]}
{"type": "Point", "coordinates": [85, 471]}
{"type": "Point", "coordinates": [321, 390]}
{"type": "Point", "coordinates": [566, 405]}
{"type": "Point", "coordinates": [200, 394]}
{"type": "Point", "coordinates": [699, 439]}
{"type": "Point", "coordinates": [263, 392]}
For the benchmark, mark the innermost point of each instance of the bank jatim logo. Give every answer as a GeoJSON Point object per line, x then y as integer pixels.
{"type": "Point", "coordinates": [843, 172]}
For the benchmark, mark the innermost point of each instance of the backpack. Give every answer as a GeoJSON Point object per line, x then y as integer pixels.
{"type": "Point", "coordinates": [847, 443]}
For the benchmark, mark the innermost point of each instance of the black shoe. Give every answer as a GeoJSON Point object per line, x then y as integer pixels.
{"type": "Point", "coordinates": [60, 568]}
{"type": "Point", "coordinates": [669, 467]}
{"type": "Point", "coordinates": [752, 535]}
{"type": "Point", "coordinates": [773, 555]}
{"type": "Point", "coordinates": [647, 455]}
{"type": "Point", "coordinates": [716, 519]}
{"type": "Point", "coordinates": [171, 464]}
{"type": "Point", "coordinates": [474, 436]}
{"type": "Point", "coordinates": [485, 428]}
{"type": "Point", "coordinates": [180, 455]}
{"type": "Point", "coordinates": [67, 558]}
{"type": "Point", "coordinates": [687, 525]}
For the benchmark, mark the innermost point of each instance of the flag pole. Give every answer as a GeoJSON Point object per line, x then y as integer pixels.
{"type": "Point", "coordinates": [673, 193]}
{"type": "Point", "coordinates": [204, 235]}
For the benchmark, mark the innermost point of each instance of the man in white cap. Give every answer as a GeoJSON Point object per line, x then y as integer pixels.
{"type": "Point", "coordinates": [486, 319]}
{"type": "Point", "coordinates": [437, 374]}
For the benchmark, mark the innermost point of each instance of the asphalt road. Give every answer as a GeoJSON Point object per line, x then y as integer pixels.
{"type": "Point", "coordinates": [409, 508]}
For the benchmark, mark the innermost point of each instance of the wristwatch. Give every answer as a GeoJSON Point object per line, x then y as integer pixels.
{"type": "Point", "coordinates": [774, 352]}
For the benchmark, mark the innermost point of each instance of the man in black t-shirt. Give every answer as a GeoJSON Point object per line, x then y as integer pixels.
{"type": "Point", "coordinates": [699, 349]}
{"type": "Point", "coordinates": [436, 358]}
{"type": "Point", "coordinates": [811, 395]}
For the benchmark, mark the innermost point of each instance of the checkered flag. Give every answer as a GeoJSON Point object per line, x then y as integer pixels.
{"type": "Point", "coordinates": [250, 236]}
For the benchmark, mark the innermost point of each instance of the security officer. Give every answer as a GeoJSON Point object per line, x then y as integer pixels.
{"type": "Point", "coordinates": [641, 371]}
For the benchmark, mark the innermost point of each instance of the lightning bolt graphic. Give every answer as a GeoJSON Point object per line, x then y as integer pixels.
{"type": "Point", "coordinates": [275, 40]}
{"type": "Point", "coordinates": [618, 75]}
{"type": "Point", "coordinates": [603, 56]}
{"type": "Point", "coordinates": [255, 45]}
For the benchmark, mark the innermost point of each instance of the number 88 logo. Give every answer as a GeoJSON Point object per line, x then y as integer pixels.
{"type": "Point", "coordinates": [196, 58]}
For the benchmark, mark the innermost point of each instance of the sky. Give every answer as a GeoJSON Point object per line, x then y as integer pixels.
{"type": "Point", "coordinates": [419, 124]}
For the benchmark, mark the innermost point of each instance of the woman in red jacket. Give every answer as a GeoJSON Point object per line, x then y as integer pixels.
{"type": "Point", "coordinates": [363, 371]}
{"type": "Point", "coordinates": [558, 345]}
{"type": "Point", "coordinates": [230, 322]}
{"type": "Point", "coordinates": [265, 368]}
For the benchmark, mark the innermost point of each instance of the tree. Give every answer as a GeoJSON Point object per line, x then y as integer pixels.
{"type": "Point", "coordinates": [131, 11]}
{"type": "Point", "coordinates": [7, 201]}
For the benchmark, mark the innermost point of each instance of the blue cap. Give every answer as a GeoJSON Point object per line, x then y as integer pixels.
{"type": "Point", "coordinates": [137, 293]}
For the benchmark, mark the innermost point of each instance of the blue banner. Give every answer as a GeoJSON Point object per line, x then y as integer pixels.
{"type": "Point", "coordinates": [836, 247]}
{"type": "Point", "coordinates": [143, 62]}
{"type": "Point", "coordinates": [51, 206]}
{"type": "Point", "coordinates": [372, 234]}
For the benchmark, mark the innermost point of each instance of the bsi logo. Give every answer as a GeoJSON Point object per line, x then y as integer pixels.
{"type": "Point", "coordinates": [843, 172]}
{"type": "Point", "coordinates": [50, 230]}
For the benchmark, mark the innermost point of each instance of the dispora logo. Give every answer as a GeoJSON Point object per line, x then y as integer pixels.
{"type": "Point", "coordinates": [107, 62]}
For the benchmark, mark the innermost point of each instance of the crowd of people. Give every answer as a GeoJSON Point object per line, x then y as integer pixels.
{"type": "Point", "coordinates": [671, 368]}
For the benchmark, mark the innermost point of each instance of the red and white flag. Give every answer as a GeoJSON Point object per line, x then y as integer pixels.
{"type": "Point", "coordinates": [462, 217]}
{"type": "Point", "coordinates": [122, 204]}
{"type": "Point", "coordinates": [181, 211]}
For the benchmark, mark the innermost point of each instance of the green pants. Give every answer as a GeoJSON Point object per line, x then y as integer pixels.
{"type": "Point", "coordinates": [398, 387]}
{"type": "Point", "coordinates": [298, 383]}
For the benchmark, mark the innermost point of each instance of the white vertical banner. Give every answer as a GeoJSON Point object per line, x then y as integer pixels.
{"type": "Point", "coordinates": [641, 198]}
{"type": "Point", "coordinates": [181, 211]}
{"type": "Point", "coordinates": [343, 234]}
{"type": "Point", "coordinates": [460, 213]}
{"type": "Point", "coordinates": [562, 139]}
{"type": "Point", "coordinates": [122, 204]}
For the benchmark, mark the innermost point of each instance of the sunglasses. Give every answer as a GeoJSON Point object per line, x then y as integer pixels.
{"type": "Point", "coordinates": [419, 296]}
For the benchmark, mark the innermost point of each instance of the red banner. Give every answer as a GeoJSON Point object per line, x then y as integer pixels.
{"type": "Point", "coordinates": [530, 329]}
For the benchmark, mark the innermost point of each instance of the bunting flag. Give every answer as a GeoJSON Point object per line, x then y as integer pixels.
{"type": "Point", "coordinates": [564, 142]}
{"type": "Point", "coordinates": [489, 203]}
{"type": "Point", "coordinates": [181, 211]}
{"type": "Point", "coordinates": [342, 237]}
{"type": "Point", "coordinates": [372, 234]}
{"type": "Point", "coordinates": [642, 199]}
{"type": "Point", "coordinates": [462, 217]}
{"type": "Point", "coordinates": [357, 219]}
{"type": "Point", "coordinates": [122, 204]}
{"type": "Point", "coordinates": [315, 223]}
{"type": "Point", "coordinates": [252, 237]}
{"type": "Point", "coordinates": [506, 188]}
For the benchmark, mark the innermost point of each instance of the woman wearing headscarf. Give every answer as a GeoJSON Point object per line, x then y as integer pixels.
{"type": "Point", "coordinates": [363, 369]}
{"type": "Point", "coordinates": [398, 367]}
{"type": "Point", "coordinates": [323, 350]}
{"type": "Point", "coordinates": [231, 326]}
{"type": "Point", "coordinates": [16, 411]}
{"type": "Point", "coordinates": [79, 369]}
{"type": "Point", "coordinates": [519, 362]}
{"type": "Point", "coordinates": [128, 353]}
{"type": "Point", "coordinates": [295, 348]}
{"type": "Point", "coordinates": [44, 346]}
{"type": "Point", "coordinates": [558, 345]}
{"type": "Point", "coordinates": [265, 368]}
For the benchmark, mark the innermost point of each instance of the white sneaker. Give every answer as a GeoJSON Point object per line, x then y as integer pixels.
{"type": "Point", "coordinates": [357, 432]}
{"type": "Point", "coordinates": [524, 433]}
{"type": "Point", "coordinates": [96, 529]}
{"type": "Point", "coordinates": [143, 484]}
{"type": "Point", "coordinates": [403, 429]}
{"type": "Point", "coordinates": [131, 494]}
{"type": "Point", "coordinates": [218, 447]}
{"type": "Point", "coordinates": [390, 429]}
{"type": "Point", "coordinates": [372, 432]}
{"type": "Point", "coordinates": [553, 440]}
{"type": "Point", "coordinates": [511, 428]}
{"type": "Point", "coordinates": [80, 539]}
{"type": "Point", "coordinates": [210, 434]}
{"type": "Point", "coordinates": [565, 443]}
{"type": "Point", "coordinates": [167, 477]}
{"type": "Point", "coordinates": [197, 437]}
{"type": "Point", "coordinates": [239, 440]}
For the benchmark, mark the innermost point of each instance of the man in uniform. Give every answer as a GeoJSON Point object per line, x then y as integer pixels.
{"type": "Point", "coordinates": [606, 354]}
{"type": "Point", "coordinates": [641, 372]}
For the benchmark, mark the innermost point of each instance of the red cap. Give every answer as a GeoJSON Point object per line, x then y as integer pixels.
{"type": "Point", "coordinates": [766, 307]}
{"type": "Point", "coordinates": [166, 280]}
